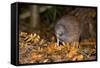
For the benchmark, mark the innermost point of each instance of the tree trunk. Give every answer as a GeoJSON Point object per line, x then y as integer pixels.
{"type": "Point", "coordinates": [34, 16]}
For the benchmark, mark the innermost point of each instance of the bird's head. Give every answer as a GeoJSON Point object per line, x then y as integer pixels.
{"type": "Point", "coordinates": [59, 31]}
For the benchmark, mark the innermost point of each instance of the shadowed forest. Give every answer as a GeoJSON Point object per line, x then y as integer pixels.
{"type": "Point", "coordinates": [49, 33]}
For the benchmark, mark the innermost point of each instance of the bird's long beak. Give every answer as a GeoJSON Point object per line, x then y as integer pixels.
{"type": "Point", "coordinates": [57, 40]}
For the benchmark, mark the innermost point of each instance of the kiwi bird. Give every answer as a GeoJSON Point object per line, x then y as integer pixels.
{"type": "Point", "coordinates": [67, 29]}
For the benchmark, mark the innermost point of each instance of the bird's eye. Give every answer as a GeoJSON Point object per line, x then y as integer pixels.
{"type": "Point", "coordinates": [60, 34]}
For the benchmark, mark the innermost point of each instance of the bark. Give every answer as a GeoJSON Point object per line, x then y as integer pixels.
{"type": "Point", "coordinates": [34, 16]}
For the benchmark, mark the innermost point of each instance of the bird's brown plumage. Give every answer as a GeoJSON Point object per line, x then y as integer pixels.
{"type": "Point", "coordinates": [67, 29]}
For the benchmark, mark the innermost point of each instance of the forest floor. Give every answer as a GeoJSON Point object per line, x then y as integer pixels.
{"type": "Point", "coordinates": [35, 49]}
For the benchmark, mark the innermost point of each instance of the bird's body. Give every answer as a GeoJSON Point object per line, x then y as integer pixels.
{"type": "Point", "coordinates": [67, 29]}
